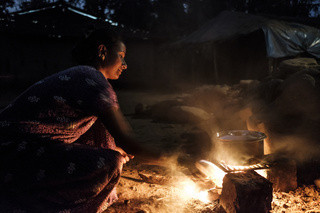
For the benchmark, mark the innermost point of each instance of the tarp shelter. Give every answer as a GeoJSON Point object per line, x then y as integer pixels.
{"type": "Point", "coordinates": [247, 38]}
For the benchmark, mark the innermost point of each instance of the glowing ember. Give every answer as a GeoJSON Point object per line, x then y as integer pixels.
{"type": "Point", "coordinates": [262, 172]}
{"type": "Point", "coordinates": [190, 190]}
{"type": "Point", "coordinates": [211, 171]}
{"type": "Point", "coordinates": [255, 167]}
{"type": "Point", "coordinates": [236, 168]}
{"type": "Point", "coordinates": [193, 192]}
{"type": "Point", "coordinates": [216, 174]}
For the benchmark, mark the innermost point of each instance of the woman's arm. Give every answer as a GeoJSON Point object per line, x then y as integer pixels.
{"type": "Point", "coordinates": [121, 131]}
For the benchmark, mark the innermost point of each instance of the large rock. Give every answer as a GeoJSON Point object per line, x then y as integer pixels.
{"type": "Point", "coordinates": [187, 114]}
{"type": "Point", "coordinates": [291, 66]}
{"type": "Point", "coordinates": [299, 95]}
{"type": "Point", "coordinates": [290, 118]}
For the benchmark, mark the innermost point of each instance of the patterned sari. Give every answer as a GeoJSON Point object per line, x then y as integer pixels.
{"type": "Point", "coordinates": [55, 153]}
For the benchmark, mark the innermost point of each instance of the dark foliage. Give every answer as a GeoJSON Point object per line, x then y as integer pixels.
{"type": "Point", "coordinates": [174, 18]}
{"type": "Point", "coordinates": [5, 5]}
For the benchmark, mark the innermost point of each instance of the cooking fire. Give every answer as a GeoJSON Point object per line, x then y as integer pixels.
{"type": "Point", "coordinates": [234, 179]}
{"type": "Point", "coordinates": [222, 185]}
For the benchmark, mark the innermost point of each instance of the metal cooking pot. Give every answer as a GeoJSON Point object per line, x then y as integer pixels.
{"type": "Point", "coordinates": [239, 147]}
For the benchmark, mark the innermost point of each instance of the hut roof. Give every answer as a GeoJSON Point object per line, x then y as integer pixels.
{"type": "Point", "coordinates": [282, 38]}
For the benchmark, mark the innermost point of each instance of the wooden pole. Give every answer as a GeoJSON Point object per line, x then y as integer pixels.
{"type": "Point", "coordinates": [215, 66]}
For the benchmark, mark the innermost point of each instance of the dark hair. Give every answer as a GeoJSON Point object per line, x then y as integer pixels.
{"type": "Point", "coordinates": [86, 51]}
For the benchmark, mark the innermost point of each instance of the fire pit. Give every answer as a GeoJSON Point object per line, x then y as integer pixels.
{"type": "Point", "coordinates": [239, 156]}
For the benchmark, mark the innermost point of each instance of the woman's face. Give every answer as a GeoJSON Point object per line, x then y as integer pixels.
{"type": "Point", "coordinates": [115, 62]}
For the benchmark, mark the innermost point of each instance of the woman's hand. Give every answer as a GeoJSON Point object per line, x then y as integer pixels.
{"type": "Point", "coordinates": [126, 157]}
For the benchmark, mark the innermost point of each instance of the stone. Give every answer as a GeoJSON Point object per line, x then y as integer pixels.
{"type": "Point", "coordinates": [283, 175]}
{"type": "Point", "coordinates": [288, 67]}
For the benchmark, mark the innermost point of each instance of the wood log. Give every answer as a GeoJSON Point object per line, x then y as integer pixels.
{"type": "Point", "coordinates": [246, 192]}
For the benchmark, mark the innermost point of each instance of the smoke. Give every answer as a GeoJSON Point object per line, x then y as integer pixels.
{"type": "Point", "coordinates": [288, 111]}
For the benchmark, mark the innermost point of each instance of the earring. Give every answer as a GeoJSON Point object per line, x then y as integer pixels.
{"type": "Point", "coordinates": [102, 56]}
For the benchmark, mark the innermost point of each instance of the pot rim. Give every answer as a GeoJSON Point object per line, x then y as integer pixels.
{"type": "Point", "coordinates": [240, 136]}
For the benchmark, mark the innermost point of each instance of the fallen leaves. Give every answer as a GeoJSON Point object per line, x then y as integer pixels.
{"type": "Point", "coordinates": [303, 199]}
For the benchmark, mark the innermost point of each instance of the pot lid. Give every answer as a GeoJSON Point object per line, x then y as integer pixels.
{"type": "Point", "coordinates": [240, 135]}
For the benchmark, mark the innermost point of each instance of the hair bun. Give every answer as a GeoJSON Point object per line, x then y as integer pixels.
{"type": "Point", "coordinates": [86, 50]}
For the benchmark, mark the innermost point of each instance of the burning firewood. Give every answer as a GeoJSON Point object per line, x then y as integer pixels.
{"type": "Point", "coordinates": [154, 179]}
